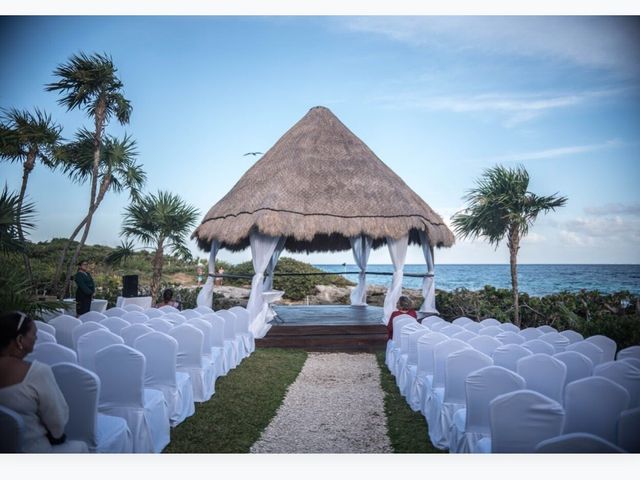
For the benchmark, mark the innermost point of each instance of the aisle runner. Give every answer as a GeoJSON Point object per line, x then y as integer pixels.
{"type": "Point", "coordinates": [334, 406]}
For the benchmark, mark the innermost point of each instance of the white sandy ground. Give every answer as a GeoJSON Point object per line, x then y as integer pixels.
{"type": "Point", "coordinates": [334, 406]}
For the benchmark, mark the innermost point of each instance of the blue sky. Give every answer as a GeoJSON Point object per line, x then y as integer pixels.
{"type": "Point", "coordinates": [438, 99]}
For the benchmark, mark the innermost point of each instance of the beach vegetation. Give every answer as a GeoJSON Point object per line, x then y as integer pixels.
{"type": "Point", "coordinates": [501, 206]}
{"type": "Point", "coordinates": [89, 83]}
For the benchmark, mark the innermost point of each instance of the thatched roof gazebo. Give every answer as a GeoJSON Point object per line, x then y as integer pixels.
{"type": "Point", "coordinates": [318, 189]}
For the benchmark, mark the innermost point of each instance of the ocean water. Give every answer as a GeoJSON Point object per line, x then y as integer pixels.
{"type": "Point", "coordinates": [537, 280]}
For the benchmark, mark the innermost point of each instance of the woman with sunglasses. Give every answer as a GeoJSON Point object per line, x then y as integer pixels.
{"type": "Point", "coordinates": [30, 389]}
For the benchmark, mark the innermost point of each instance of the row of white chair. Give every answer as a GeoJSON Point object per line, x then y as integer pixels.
{"type": "Point", "coordinates": [424, 381]}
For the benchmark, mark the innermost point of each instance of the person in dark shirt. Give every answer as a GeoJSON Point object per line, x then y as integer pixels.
{"type": "Point", "coordinates": [403, 308]}
{"type": "Point", "coordinates": [85, 288]}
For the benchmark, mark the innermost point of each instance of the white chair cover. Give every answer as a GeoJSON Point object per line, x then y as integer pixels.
{"type": "Point", "coordinates": [510, 338]}
{"type": "Point", "coordinates": [115, 324]}
{"type": "Point", "coordinates": [64, 325]}
{"type": "Point", "coordinates": [546, 329]}
{"type": "Point", "coordinates": [131, 333]}
{"type": "Point", "coordinates": [507, 356]}
{"type": "Point", "coordinates": [161, 353]}
{"type": "Point", "coordinates": [159, 325]}
{"type": "Point", "coordinates": [557, 341]}
{"type": "Point", "coordinates": [121, 371]}
{"type": "Point", "coordinates": [168, 309]}
{"type": "Point", "coordinates": [207, 344]}
{"type": "Point", "coordinates": [191, 361]}
{"type": "Point", "coordinates": [458, 366]}
{"type": "Point", "coordinates": [424, 369]}
{"type": "Point", "coordinates": [629, 352]}
{"type": "Point", "coordinates": [189, 313]}
{"type": "Point", "coordinates": [132, 307]}
{"type": "Point", "coordinates": [490, 322]}
{"type": "Point", "coordinates": [474, 327]}
{"type": "Point", "coordinates": [578, 365]}
{"type": "Point", "coordinates": [90, 343]}
{"type": "Point", "coordinates": [393, 345]}
{"type": "Point", "coordinates": [52, 353]}
{"type": "Point", "coordinates": [465, 336]}
{"type": "Point", "coordinates": [220, 349]}
{"type": "Point", "coordinates": [402, 356]}
{"type": "Point", "coordinates": [433, 400]}
{"type": "Point", "coordinates": [427, 321]}
{"type": "Point", "coordinates": [623, 374]}
{"type": "Point", "coordinates": [461, 321]}
{"type": "Point", "coordinates": [577, 443]}
{"type": "Point", "coordinates": [628, 428]}
{"type": "Point", "coordinates": [530, 333]}
{"type": "Point", "coordinates": [86, 327]}
{"type": "Point", "coordinates": [544, 374]}
{"type": "Point", "coordinates": [204, 310]}
{"type": "Point", "coordinates": [437, 326]}
{"type": "Point", "coordinates": [509, 327]}
{"type": "Point", "coordinates": [45, 327]}
{"type": "Point", "coordinates": [135, 316]}
{"type": "Point", "coordinates": [485, 344]}
{"type": "Point", "coordinates": [115, 312]}
{"type": "Point", "coordinates": [635, 362]}
{"type": "Point", "coordinates": [92, 316]}
{"type": "Point", "coordinates": [81, 390]}
{"type": "Point", "coordinates": [409, 363]}
{"type": "Point", "coordinates": [588, 349]}
{"type": "Point", "coordinates": [471, 424]}
{"type": "Point", "coordinates": [491, 331]}
{"type": "Point", "coordinates": [45, 337]}
{"type": "Point", "coordinates": [175, 318]}
{"type": "Point", "coordinates": [520, 420]}
{"type": "Point", "coordinates": [608, 346]}
{"type": "Point", "coordinates": [572, 336]}
{"type": "Point", "coordinates": [451, 330]}
{"type": "Point", "coordinates": [538, 346]}
{"type": "Point", "coordinates": [230, 336]}
{"type": "Point", "coordinates": [593, 405]}
{"type": "Point", "coordinates": [243, 321]}
{"type": "Point", "coordinates": [153, 312]}
{"type": "Point", "coordinates": [12, 428]}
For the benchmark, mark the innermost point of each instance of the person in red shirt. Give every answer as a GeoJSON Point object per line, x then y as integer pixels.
{"type": "Point", "coordinates": [403, 308]}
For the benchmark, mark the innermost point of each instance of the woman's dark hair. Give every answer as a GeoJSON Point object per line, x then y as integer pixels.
{"type": "Point", "coordinates": [9, 323]}
{"type": "Point", "coordinates": [167, 295]}
{"type": "Point", "coordinates": [404, 303]}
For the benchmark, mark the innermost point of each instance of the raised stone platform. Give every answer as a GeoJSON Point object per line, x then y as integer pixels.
{"type": "Point", "coordinates": [327, 328]}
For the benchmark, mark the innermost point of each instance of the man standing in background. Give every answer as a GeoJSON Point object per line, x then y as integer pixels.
{"type": "Point", "coordinates": [85, 288]}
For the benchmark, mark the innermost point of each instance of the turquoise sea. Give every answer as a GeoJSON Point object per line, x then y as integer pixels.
{"type": "Point", "coordinates": [535, 280]}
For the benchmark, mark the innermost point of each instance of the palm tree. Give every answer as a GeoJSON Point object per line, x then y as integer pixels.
{"type": "Point", "coordinates": [501, 206]}
{"type": "Point", "coordinates": [159, 222]}
{"type": "Point", "coordinates": [90, 83]}
{"type": "Point", "coordinates": [14, 218]}
{"type": "Point", "coordinates": [27, 138]}
{"type": "Point", "coordinates": [118, 172]}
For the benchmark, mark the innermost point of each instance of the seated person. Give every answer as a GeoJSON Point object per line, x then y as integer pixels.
{"type": "Point", "coordinates": [403, 308]}
{"type": "Point", "coordinates": [30, 389]}
{"type": "Point", "coordinates": [167, 300]}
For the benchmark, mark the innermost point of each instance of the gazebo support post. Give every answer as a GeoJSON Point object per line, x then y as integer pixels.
{"type": "Point", "coordinates": [428, 284]}
{"type": "Point", "coordinates": [398, 253]}
{"type": "Point", "coordinates": [361, 247]}
{"type": "Point", "coordinates": [205, 297]}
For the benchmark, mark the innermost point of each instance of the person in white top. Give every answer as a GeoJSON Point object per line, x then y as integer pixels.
{"type": "Point", "coordinates": [30, 389]}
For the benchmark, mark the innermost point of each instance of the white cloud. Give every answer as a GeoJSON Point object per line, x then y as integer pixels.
{"type": "Point", "coordinates": [608, 43]}
{"type": "Point", "coordinates": [614, 209]}
{"type": "Point", "coordinates": [557, 152]}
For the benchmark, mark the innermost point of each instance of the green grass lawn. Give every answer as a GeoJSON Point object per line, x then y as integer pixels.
{"type": "Point", "coordinates": [248, 397]}
{"type": "Point", "coordinates": [245, 401]}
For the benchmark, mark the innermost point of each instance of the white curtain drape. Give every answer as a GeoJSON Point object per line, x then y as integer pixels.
{"type": "Point", "coordinates": [361, 246]}
{"type": "Point", "coordinates": [262, 248]}
{"type": "Point", "coordinates": [398, 253]}
{"type": "Point", "coordinates": [428, 284]}
{"type": "Point", "coordinates": [268, 281]}
{"type": "Point", "coordinates": [205, 297]}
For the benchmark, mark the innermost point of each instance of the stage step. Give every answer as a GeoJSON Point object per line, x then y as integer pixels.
{"type": "Point", "coordinates": [339, 338]}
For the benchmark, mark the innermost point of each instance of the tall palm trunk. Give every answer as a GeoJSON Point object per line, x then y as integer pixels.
{"type": "Point", "coordinates": [29, 164]}
{"type": "Point", "coordinates": [514, 245]}
{"type": "Point", "coordinates": [158, 260]}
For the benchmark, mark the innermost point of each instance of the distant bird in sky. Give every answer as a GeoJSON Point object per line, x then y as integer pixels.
{"type": "Point", "coordinates": [252, 153]}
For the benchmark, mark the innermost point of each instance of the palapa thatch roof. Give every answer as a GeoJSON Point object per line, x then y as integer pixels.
{"type": "Point", "coordinates": [318, 186]}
